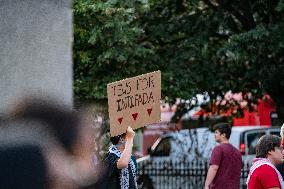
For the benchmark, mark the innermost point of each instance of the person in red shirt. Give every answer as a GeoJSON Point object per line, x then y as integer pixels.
{"type": "Point", "coordinates": [263, 173]}
{"type": "Point", "coordinates": [225, 162]}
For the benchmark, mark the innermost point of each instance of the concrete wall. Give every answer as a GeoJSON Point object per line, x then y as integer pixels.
{"type": "Point", "coordinates": [35, 50]}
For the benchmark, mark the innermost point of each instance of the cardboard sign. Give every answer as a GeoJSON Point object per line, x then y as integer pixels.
{"type": "Point", "coordinates": [134, 102]}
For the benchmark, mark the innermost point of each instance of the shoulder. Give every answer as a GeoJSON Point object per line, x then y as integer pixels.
{"type": "Point", "coordinates": [261, 174]}
{"type": "Point", "coordinates": [265, 169]}
{"type": "Point", "coordinates": [227, 145]}
{"type": "Point", "coordinates": [233, 147]}
{"type": "Point", "coordinates": [235, 150]}
{"type": "Point", "coordinates": [218, 148]}
{"type": "Point", "coordinates": [229, 148]}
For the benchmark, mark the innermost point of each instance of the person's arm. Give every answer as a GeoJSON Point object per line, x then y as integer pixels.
{"type": "Point", "coordinates": [211, 175]}
{"type": "Point", "coordinates": [275, 188]}
{"type": "Point", "coordinates": [126, 154]}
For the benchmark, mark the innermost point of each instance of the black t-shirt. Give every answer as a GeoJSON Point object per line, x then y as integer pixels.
{"type": "Point", "coordinates": [113, 173]}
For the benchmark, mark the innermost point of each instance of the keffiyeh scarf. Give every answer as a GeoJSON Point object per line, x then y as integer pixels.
{"type": "Point", "coordinates": [257, 162]}
{"type": "Point", "coordinates": [124, 174]}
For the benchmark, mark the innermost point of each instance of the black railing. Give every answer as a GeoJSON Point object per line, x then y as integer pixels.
{"type": "Point", "coordinates": [177, 175]}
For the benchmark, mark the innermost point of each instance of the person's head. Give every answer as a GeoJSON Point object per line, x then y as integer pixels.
{"type": "Point", "coordinates": [222, 132]}
{"type": "Point", "coordinates": [269, 146]}
{"type": "Point", "coordinates": [118, 140]}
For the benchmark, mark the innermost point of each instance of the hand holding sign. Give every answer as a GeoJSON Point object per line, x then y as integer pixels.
{"type": "Point", "coordinates": [129, 134]}
{"type": "Point", "coordinates": [134, 101]}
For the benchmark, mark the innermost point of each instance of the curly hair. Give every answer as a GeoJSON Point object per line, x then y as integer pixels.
{"type": "Point", "coordinates": [265, 144]}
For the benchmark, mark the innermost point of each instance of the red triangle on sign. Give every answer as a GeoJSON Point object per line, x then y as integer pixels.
{"type": "Point", "coordinates": [149, 110]}
{"type": "Point", "coordinates": [135, 116]}
{"type": "Point", "coordinates": [120, 120]}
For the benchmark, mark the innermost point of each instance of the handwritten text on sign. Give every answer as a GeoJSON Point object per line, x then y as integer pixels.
{"type": "Point", "coordinates": [134, 102]}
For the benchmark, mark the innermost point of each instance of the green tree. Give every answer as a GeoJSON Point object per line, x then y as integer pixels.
{"type": "Point", "coordinates": [201, 46]}
{"type": "Point", "coordinates": [107, 45]}
{"type": "Point", "coordinates": [221, 46]}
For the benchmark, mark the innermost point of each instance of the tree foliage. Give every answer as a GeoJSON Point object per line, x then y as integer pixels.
{"type": "Point", "coordinates": [201, 46]}
{"type": "Point", "coordinates": [107, 45]}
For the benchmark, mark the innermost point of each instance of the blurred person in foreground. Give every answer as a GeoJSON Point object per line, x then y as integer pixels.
{"type": "Point", "coordinates": [225, 163]}
{"type": "Point", "coordinates": [71, 129]}
{"type": "Point", "coordinates": [263, 173]}
{"type": "Point", "coordinates": [120, 164]}
{"type": "Point", "coordinates": [30, 157]}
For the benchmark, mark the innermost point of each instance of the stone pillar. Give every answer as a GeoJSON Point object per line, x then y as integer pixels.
{"type": "Point", "coordinates": [35, 50]}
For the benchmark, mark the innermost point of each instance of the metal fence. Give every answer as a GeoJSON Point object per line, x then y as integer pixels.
{"type": "Point", "coordinates": [178, 175]}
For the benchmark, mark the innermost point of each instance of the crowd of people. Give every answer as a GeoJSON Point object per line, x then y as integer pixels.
{"type": "Point", "coordinates": [45, 145]}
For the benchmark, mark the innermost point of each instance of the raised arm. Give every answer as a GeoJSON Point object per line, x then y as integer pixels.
{"type": "Point", "coordinates": [126, 154]}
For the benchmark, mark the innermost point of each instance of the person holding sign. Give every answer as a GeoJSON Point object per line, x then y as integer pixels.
{"type": "Point", "coordinates": [119, 162]}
